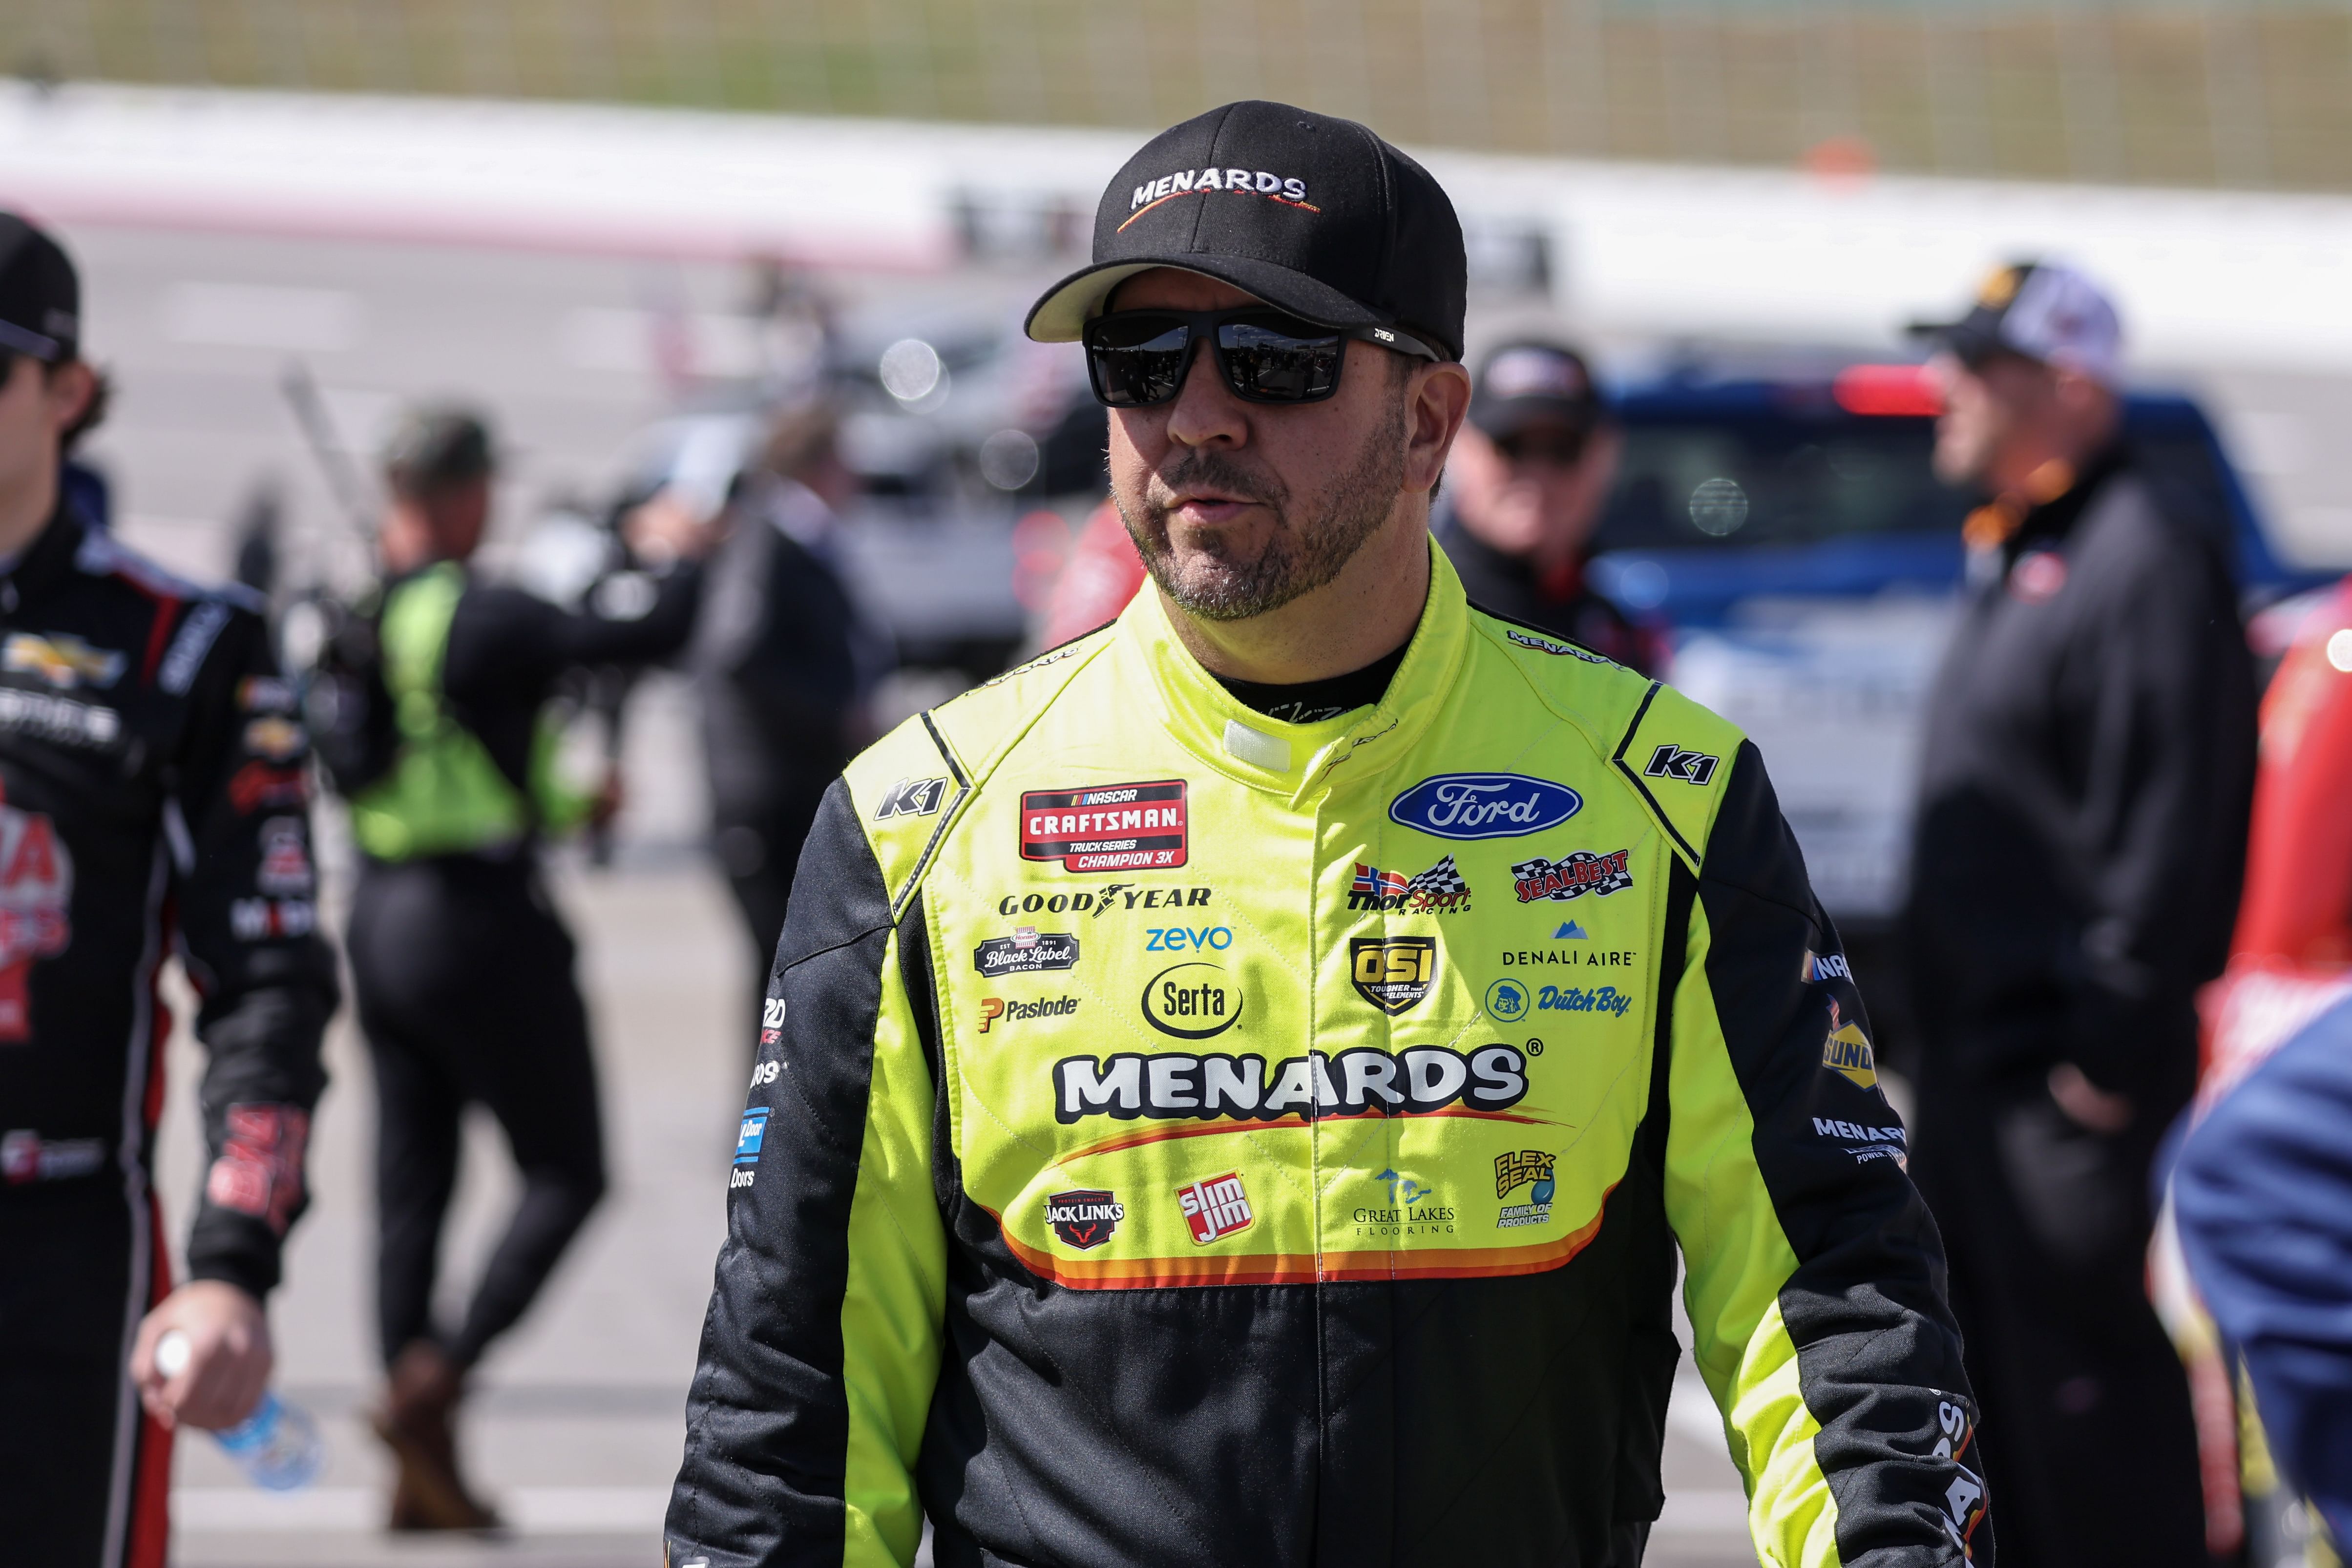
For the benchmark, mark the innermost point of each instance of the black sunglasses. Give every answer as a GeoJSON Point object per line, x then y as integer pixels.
{"type": "Point", "coordinates": [1137, 359]}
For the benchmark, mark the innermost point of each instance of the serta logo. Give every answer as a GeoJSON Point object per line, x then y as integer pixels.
{"type": "Point", "coordinates": [1485, 805]}
{"type": "Point", "coordinates": [1193, 1001]}
{"type": "Point", "coordinates": [1191, 182]}
{"type": "Point", "coordinates": [1182, 1087]}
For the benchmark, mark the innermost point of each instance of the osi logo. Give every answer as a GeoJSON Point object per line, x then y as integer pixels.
{"type": "Point", "coordinates": [1193, 1001]}
{"type": "Point", "coordinates": [1393, 973]}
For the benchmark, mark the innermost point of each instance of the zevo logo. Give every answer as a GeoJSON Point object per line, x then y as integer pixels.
{"type": "Point", "coordinates": [1177, 938]}
{"type": "Point", "coordinates": [1172, 1086]}
{"type": "Point", "coordinates": [1216, 1206]}
{"type": "Point", "coordinates": [1193, 1001]}
{"type": "Point", "coordinates": [1485, 805]}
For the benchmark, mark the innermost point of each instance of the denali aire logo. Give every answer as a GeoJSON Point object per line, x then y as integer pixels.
{"type": "Point", "coordinates": [1174, 1086]}
{"type": "Point", "coordinates": [1581, 872]}
{"type": "Point", "coordinates": [1120, 827]}
{"type": "Point", "coordinates": [1193, 1001]}
{"type": "Point", "coordinates": [1485, 805]}
{"type": "Point", "coordinates": [1026, 952]}
{"type": "Point", "coordinates": [1085, 1219]}
{"type": "Point", "coordinates": [1216, 1206]}
{"type": "Point", "coordinates": [1392, 973]}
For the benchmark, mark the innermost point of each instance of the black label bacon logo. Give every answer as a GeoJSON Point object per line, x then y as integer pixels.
{"type": "Point", "coordinates": [1026, 952]}
{"type": "Point", "coordinates": [1581, 872]}
{"type": "Point", "coordinates": [1086, 1217]}
{"type": "Point", "coordinates": [1118, 827]}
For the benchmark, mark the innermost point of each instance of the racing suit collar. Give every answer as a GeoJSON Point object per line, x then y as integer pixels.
{"type": "Point", "coordinates": [51, 553]}
{"type": "Point", "coordinates": [1292, 761]}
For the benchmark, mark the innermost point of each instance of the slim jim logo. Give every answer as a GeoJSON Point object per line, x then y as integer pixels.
{"type": "Point", "coordinates": [1118, 827]}
{"type": "Point", "coordinates": [1217, 1207]}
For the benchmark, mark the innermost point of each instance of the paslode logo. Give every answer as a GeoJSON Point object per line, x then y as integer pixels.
{"type": "Point", "coordinates": [1118, 827]}
{"type": "Point", "coordinates": [1392, 973]}
{"type": "Point", "coordinates": [1193, 1001]}
{"type": "Point", "coordinates": [995, 1009]}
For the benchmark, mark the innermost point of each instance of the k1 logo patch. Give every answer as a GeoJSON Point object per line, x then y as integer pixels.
{"type": "Point", "coordinates": [1670, 761]}
{"type": "Point", "coordinates": [1392, 973]}
{"type": "Point", "coordinates": [912, 798]}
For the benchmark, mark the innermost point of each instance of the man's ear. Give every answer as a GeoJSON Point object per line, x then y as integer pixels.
{"type": "Point", "coordinates": [1437, 397]}
{"type": "Point", "coordinates": [68, 391]}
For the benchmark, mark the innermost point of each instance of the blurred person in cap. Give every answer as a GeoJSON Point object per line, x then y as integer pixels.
{"type": "Point", "coordinates": [2080, 835]}
{"type": "Point", "coordinates": [462, 968]}
{"type": "Point", "coordinates": [785, 660]}
{"type": "Point", "coordinates": [153, 799]}
{"type": "Point", "coordinates": [1154, 1155]}
{"type": "Point", "coordinates": [1524, 488]}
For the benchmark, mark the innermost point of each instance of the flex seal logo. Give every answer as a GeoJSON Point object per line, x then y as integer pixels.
{"type": "Point", "coordinates": [1193, 1001]}
{"type": "Point", "coordinates": [1215, 1207]}
{"type": "Point", "coordinates": [1120, 827]}
{"type": "Point", "coordinates": [1485, 805]}
{"type": "Point", "coordinates": [1086, 1217]}
{"type": "Point", "coordinates": [1514, 1171]}
{"type": "Point", "coordinates": [1392, 973]}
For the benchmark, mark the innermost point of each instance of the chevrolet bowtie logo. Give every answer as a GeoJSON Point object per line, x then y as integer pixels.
{"type": "Point", "coordinates": [1670, 761]}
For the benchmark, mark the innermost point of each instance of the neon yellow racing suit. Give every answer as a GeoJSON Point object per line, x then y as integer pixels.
{"type": "Point", "coordinates": [1181, 1137]}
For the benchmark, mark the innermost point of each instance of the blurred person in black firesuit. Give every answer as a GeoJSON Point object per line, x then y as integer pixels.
{"type": "Point", "coordinates": [1524, 491]}
{"type": "Point", "coordinates": [2081, 834]}
{"type": "Point", "coordinates": [462, 968]}
{"type": "Point", "coordinates": [152, 800]}
{"type": "Point", "coordinates": [785, 660]}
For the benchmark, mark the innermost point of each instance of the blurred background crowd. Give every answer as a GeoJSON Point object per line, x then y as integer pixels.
{"type": "Point", "coordinates": [726, 294]}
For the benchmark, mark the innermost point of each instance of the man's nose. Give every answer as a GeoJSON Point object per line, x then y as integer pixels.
{"type": "Point", "coordinates": [1206, 412]}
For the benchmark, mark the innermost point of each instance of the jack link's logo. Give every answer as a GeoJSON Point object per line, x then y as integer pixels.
{"type": "Point", "coordinates": [36, 892]}
{"type": "Point", "coordinates": [1215, 1207]}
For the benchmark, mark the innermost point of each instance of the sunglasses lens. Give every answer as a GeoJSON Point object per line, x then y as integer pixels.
{"type": "Point", "coordinates": [1137, 360]}
{"type": "Point", "coordinates": [1280, 358]}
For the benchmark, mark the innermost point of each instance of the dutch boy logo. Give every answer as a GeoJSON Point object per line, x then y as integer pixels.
{"type": "Point", "coordinates": [1485, 805]}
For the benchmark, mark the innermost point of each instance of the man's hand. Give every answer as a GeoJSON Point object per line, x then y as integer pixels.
{"type": "Point", "coordinates": [229, 1358]}
{"type": "Point", "coordinates": [665, 528]}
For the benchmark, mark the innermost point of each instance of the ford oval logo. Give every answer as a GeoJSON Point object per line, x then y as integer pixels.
{"type": "Point", "coordinates": [1485, 805]}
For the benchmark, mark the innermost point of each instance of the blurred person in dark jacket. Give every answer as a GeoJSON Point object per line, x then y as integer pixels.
{"type": "Point", "coordinates": [2085, 787]}
{"type": "Point", "coordinates": [461, 964]}
{"type": "Point", "coordinates": [785, 660]}
{"type": "Point", "coordinates": [1524, 491]}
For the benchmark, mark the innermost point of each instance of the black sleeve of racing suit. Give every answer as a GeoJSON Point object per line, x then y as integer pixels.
{"type": "Point", "coordinates": [2169, 750]}
{"type": "Point", "coordinates": [505, 633]}
{"type": "Point", "coordinates": [244, 887]}
{"type": "Point", "coordinates": [1864, 1308]}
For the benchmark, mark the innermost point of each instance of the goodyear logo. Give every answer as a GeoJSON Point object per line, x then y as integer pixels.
{"type": "Point", "coordinates": [1848, 1054]}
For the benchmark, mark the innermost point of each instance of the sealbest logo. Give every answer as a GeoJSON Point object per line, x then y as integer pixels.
{"type": "Point", "coordinates": [1485, 805]}
{"type": "Point", "coordinates": [1175, 1086]}
{"type": "Point", "coordinates": [1115, 827]}
{"type": "Point", "coordinates": [1290, 193]}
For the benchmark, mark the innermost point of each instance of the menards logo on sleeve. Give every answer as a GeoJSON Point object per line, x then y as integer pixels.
{"type": "Point", "coordinates": [1112, 827]}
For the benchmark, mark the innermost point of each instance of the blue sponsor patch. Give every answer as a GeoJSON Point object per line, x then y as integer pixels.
{"type": "Point", "coordinates": [753, 1134]}
{"type": "Point", "coordinates": [1485, 805]}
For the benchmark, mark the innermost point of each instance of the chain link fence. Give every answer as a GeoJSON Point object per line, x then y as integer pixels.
{"type": "Point", "coordinates": [2241, 93]}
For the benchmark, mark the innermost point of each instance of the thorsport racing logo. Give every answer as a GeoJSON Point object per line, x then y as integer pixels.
{"type": "Point", "coordinates": [1485, 805]}
{"type": "Point", "coordinates": [1440, 890]}
{"type": "Point", "coordinates": [1581, 872]}
{"type": "Point", "coordinates": [1119, 827]}
{"type": "Point", "coordinates": [1214, 1207]}
{"type": "Point", "coordinates": [1169, 1086]}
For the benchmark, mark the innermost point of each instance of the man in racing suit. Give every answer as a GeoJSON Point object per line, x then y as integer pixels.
{"type": "Point", "coordinates": [1306, 1190]}
{"type": "Point", "coordinates": [151, 802]}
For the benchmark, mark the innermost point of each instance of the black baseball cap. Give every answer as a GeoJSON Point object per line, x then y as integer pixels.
{"type": "Point", "coordinates": [2040, 310]}
{"type": "Point", "coordinates": [40, 298]}
{"type": "Point", "coordinates": [1529, 383]}
{"type": "Point", "coordinates": [436, 447]}
{"type": "Point", "coordinates": [1315, 215]}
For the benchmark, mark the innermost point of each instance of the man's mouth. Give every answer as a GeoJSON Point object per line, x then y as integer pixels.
{"type": "Point", "coordinates": [1207, 509]}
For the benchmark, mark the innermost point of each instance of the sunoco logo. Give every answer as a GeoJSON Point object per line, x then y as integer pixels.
{"type": "Point", "coordinates": [1193, 1001]}
{"type": "Point", "coordinates": [1485, 805]}
{"type": "Point", "coordinates": [1085, 1219]}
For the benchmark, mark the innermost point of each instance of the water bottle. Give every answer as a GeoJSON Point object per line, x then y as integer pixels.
{"type": "Point", "coordinates": [277, 1446]}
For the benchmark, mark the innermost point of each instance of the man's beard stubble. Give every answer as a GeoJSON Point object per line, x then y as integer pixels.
{"type": "Point", "coordinates": [1214, 585]}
